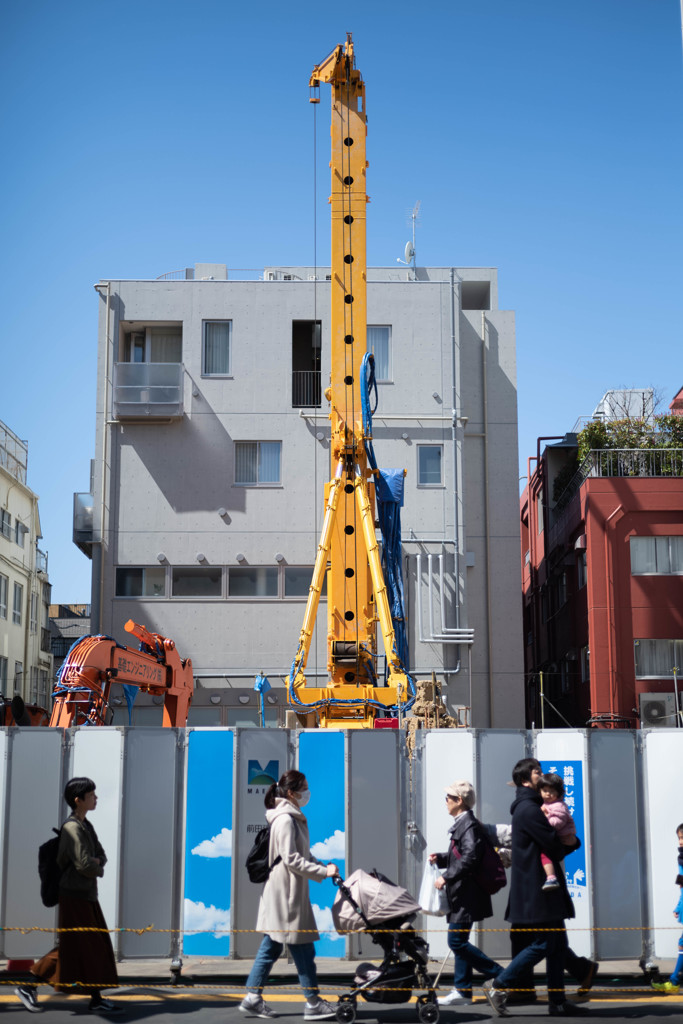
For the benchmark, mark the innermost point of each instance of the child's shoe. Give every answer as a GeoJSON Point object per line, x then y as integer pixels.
{"type": "Point", "coordinates": [550, 884]}
{"type": "Point", "coordinates": [667, 987]}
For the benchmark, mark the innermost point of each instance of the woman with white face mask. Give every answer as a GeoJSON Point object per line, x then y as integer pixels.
{"type": "Point", "coordinates": [285, 911]}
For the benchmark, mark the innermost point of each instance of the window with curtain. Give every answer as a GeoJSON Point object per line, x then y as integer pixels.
{"type": "Point", "coordinates": [661, 556]}
{"type": "Point", "coordinates": [18, 604]}
{"type": "Point", "coordinates": [257, 463]}
{"type": "Point", "coordinates": [379, 343]}
{"type": "Point", "coordinates": [4, 587]}
{"type": "Point", "coordinates": [216, 348]}
{"type": "Point", "coordinates": [429, 468]}
{"type": "Point", "coordinates": [165, 345]}
{"type": "Point", "coordinates": [656, 659]}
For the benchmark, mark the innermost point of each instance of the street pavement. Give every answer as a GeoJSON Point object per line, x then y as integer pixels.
{"type": "Point", "coordinates": [211, 990]}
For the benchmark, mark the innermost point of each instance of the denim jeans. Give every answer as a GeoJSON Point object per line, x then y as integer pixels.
{"type": "Point", "coordinates": [549, 941]}
{"type": "Point", "coordinates": [468, 958]}
{"type": "Point", "coordinates": [303, 955]}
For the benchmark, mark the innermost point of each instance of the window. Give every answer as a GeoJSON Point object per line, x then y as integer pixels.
{"type": "Point", "coordinates": [42, 687]}
{"type": "Point", "coordinates": [4, 587]}
{"type": "Point", "coordinates": [5, 524]}
{"type": "Point", "coordinates": [20, 532]}
{"type": "Point", "coordinates": [257, 463]}
{"type": "Point", "coordinates": [306, 379]}
{"type": "Point", "coordinates": [33, 618]}
{"type": "Point", "coordinates": [142, 582]}
{"type": "Point", "coordinates": [656, 556]}
{"type": "Point", "coordinates": [216, 348]}
{"type": "Point", "coordinates": [154, 345]}
{"type": "Point", "coordinates": [18, 674]}
{"type": "Point", "coordinates": [3, 675]}
{"type": "Point", "coordinates": [298, 580]}
{"type": "Point", "coordinates": [429, 461]}
{"type": "Point", "coordinates": [18, 603]}
{"type": "Point", "coordinates": [379, 343]}
{"type": "Point", "coordinates": [581, 570]}
{"type": "Point", "coordinates": [253, 581]}
{"type": "Point", "coordinates": [561, 590]}
{"type": "Point", "coordinates": [585, 665]}
{"type": "Point", "coordinates": [539, 511]}
{"type": "Point", "coordinates": [198, 581]}
{"type": "Point", "coordinates": [656, 659]}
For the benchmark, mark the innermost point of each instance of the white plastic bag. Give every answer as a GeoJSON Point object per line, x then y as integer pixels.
{"type": "Point", "coordinates": [432, 900]}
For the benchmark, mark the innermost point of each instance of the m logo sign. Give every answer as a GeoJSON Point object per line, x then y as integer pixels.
{"type": "Point", "coordinates": [258, 776]}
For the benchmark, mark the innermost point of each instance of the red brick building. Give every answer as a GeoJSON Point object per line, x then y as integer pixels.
{"type": "Point", "coordinates": [602, 579]}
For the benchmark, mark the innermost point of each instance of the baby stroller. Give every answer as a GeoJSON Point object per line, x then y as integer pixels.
{"type": "Point", "coordinates": [370, 901]}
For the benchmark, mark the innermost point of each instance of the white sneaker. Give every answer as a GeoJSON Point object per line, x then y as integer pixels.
{"type": "Point", "coordinates": [254, 1005]}
{"type": "Point", "coordinates": [497, 997]}
{"type": "Point", "coordinates": [319, 1011]}
{"type": "Point", "coordinates": [453, 998]}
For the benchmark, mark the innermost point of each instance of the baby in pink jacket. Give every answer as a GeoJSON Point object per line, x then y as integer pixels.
{"type": "Point", "coordinates": [559, 816]}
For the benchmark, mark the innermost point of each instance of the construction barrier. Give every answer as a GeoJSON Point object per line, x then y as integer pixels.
{"type": "Point", "coordinates": [178, 811]}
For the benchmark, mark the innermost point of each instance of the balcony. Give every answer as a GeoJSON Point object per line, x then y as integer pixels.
{"type": "Point", "coordinates": [306, 389]}
{"type": "Point", "coordinates": [41, 561]}
{"type": "Point", "coordinates": [45, 641]}
{"type": "Point", "coordinates": [83, 523]}
{"type": "Point", "coordinates": [148, 391]}
{"type": "Point", "coordinates": [622, 462]}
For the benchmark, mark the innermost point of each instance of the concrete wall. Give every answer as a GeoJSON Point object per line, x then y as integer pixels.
{"type": "Point", "coordinates": [187, 804]}
{"type": "Point", "coordinates": [167, 481]}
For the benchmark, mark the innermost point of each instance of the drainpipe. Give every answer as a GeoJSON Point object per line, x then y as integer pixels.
{"type": "Point", "coordinates": [98, 564]}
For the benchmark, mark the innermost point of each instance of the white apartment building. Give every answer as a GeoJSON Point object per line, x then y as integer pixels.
{"type": "Point", "coordinates": [212, 450]}
{"type": "Point", "coordinates": [25, 658]}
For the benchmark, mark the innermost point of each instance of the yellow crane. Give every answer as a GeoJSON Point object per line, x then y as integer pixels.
{"type": "Point", "coordinates": [348, 551]}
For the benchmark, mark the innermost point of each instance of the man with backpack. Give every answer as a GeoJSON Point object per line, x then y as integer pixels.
{"type": "Point", "coordinates": [473, 872]}
{"type": "Point", "coordinates": [542, 913]}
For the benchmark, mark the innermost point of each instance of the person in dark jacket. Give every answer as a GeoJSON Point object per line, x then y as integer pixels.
{"type": "Point", "coordinates": [83, 961]}
{"type": "Point", "coordinates": [544, 913]}
{"type": "Point", "coordinates": [467, 901]}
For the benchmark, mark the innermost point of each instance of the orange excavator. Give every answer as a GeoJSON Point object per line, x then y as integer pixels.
{"type": "Point", "coordinates": [82, 693]}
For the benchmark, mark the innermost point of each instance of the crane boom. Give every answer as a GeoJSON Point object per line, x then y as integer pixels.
{"type": "Point", "coordinates": [348, 551]}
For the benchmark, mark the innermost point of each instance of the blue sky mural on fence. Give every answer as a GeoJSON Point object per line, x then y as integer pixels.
{"type": "Point", "coordinates": [208, 843]}
{"type": "Point", "coordinates": [321, 759]}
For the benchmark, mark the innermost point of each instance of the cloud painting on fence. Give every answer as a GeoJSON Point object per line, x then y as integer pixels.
{"type": "Point", "coordinates": [199, 917]}
{"type": "Point", "coordinates": [218, 846]}
{"type": "Point", "coordinates": [334, 847]}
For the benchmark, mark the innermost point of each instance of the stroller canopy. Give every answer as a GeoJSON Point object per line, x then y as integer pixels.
{"type": "Point", "coordinates": [378, 899]}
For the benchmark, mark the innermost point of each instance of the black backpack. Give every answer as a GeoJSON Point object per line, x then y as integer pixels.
{"type": "Point", "coordinates": [256, 863]}
{"type": "Point", "coordinates": [49, 870]}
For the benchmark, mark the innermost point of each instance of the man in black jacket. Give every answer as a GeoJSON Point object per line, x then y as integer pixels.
{"type": "Point", "coordinates": [543, 913]}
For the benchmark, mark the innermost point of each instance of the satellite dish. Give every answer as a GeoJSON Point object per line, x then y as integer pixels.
{"type": "Point", "coordinates": [409, 252]}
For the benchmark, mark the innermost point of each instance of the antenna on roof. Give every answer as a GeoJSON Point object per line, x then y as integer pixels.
{"type": "Point", "coordinates": [409, 252]}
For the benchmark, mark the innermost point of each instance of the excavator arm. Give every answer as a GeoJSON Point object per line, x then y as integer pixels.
{"type": "Point", "coordinates": [82, 693]}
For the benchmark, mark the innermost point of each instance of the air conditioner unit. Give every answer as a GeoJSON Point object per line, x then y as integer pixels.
{"type": "Point", "coordinates": [657, 710]}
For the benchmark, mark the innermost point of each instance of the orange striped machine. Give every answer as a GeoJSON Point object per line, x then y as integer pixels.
{"type": "Point", "coordinates": [81, 695]}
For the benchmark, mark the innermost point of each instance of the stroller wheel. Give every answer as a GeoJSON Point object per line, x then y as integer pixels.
{"type": "Point", "coordinates": [428, 1012]}
{"type": "Point", "coordinates": [346, 1011]}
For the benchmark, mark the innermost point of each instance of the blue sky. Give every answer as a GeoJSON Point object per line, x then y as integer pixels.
{"type": "Point", "coordinates": [542, 138]}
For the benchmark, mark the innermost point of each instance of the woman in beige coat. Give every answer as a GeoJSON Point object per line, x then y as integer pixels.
{"type": "Point", "coordinates": [285, 912]}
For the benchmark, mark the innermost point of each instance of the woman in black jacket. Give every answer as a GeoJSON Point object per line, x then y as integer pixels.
{"type": "Point", "coordinates": [467, 901]}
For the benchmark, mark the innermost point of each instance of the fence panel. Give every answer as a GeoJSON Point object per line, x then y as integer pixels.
{"type": "Point", "coordinates": [663, 768]}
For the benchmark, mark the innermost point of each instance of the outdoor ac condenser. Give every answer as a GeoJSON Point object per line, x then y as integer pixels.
{"type": "Point", "coordinates": [657, 710]}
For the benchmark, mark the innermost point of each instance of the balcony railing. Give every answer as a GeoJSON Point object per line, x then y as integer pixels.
{"type": "Point", "coordinates": [41, 560]}
{"type": "Point", "coordinates": [622, 462]}
{"type": "Point", "coordinates": [306, 389]}
{"type": "Point", "coordinates": [83, 522]}
{"type": "Point", "coordinates": [148, 391]}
